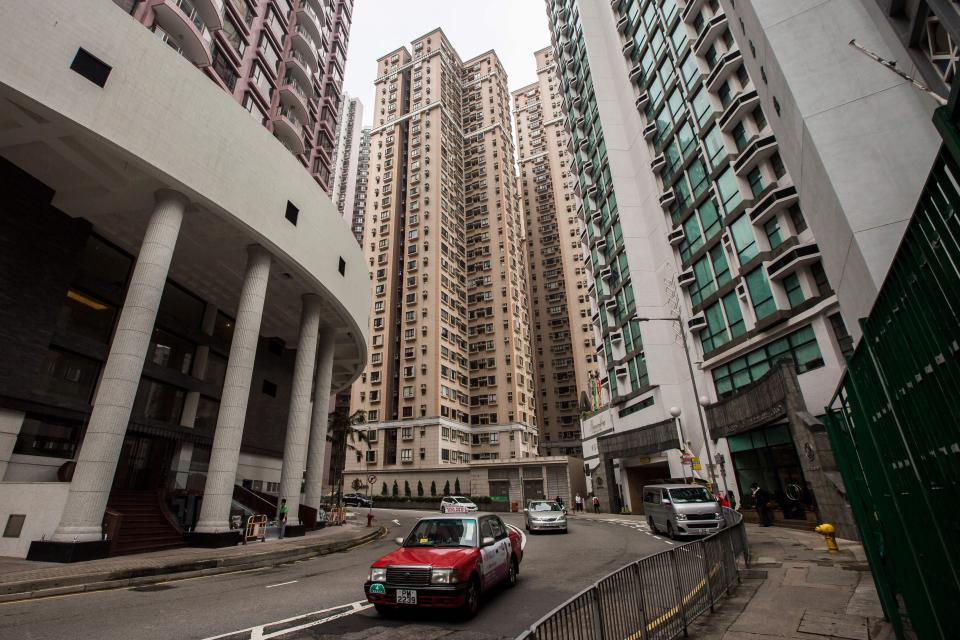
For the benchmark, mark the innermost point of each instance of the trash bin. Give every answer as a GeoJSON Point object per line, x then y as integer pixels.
{"type": "Point", "coordinates": [515, 507]}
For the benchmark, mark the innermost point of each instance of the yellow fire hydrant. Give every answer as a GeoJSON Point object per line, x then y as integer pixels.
{"type": "Point", "coordinates": [829, 536]}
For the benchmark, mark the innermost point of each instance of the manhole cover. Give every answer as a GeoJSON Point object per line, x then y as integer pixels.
{"type": "Point", "coordinates": [153, 587]}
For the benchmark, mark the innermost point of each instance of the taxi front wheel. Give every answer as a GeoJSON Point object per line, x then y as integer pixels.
{"type": "Point", "coordinates": [471, 599]}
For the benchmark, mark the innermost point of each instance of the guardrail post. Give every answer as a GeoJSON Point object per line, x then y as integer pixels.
{"type": "Point", "coordinates": [643, 605]}
{"type": "Point", "coordinates": [597, 614]}
{"type": "Point", "coordinates": [706, 571]}
{"type": "Point", "coordinates": [676, 573]}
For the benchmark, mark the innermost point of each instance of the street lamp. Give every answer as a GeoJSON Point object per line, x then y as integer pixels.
{"type": "Point", "coordinates": [696, 394]}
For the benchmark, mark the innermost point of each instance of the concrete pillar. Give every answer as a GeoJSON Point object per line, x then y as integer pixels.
{"type": "Point", "coordinates": [225, 454]}
{"type": "Point", "coordinates": [298, 419]}
{"type": "Point", "coordinates": [97, 461]}
{"type": "Point", "coordinates": [317, 452]}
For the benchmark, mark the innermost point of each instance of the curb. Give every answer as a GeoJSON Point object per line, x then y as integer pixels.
{"type": "Point", "coordinates": [47, 587]}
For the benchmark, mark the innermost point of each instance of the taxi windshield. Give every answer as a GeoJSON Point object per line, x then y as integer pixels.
{"type": "Point", "coordinates": [443, 532]}
{"type": "Point", "coordinates": [462, 500]}
{"type": "Point", "coordinates": [544, 506]}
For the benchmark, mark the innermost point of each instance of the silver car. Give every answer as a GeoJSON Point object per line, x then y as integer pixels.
{"type": "Point", "coordinates": [545, 515]}
{"type": "Point", "coordinates": [681, 510]}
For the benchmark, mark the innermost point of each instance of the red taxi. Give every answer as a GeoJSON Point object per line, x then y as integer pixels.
{"type": "Point", "coordinates": [446, 562]}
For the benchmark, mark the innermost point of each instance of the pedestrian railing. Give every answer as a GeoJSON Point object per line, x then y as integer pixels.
{"type": "Point", "coordinates": [654, 598]}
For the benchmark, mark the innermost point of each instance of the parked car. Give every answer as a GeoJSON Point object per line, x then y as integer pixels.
{"type": "Point", "coordinates": [545, 515]}
{"type": "Point", "coordinates": [681, 510]}
{"type": "Point", "coordinates": [357, 500]}
{"type": "Point", "coordinates": [457, 504]}
{"type": "Point", "coordinates": [445, 562]}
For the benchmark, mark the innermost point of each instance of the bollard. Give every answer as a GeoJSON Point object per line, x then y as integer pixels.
{"type": "Point", "coordinates": [829, 536]}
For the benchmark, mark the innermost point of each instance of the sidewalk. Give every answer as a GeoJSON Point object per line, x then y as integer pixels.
{"type": "Point", "coordinates": [794, 588]}
{"type": "Point", "coordinates": [23, 579]}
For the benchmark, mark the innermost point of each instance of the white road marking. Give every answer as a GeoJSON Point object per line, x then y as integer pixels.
{"type": "Point", "coordinates": [523, 537]}
{"type": "Point", "coordinates": [271, 586]}
{"type": "Point", "coordinates": [256, 633]}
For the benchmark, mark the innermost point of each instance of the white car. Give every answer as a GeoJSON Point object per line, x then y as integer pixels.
{"type": "Point", "coordinates": [457, 504]}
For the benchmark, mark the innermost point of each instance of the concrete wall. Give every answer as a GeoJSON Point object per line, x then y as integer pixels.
{"type": "Point", "coordinates": [10, 423]}
{"type": "Point", "coordinates": [41, 502]}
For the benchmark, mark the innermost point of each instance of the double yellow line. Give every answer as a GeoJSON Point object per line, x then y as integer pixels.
{"type": "Point", "coordinates": [671, 613]}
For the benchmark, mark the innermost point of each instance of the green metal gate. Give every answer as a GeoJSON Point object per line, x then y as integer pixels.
{"type": "Point", "coordinates": [895, 422]}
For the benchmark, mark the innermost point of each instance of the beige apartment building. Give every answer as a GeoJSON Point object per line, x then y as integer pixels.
{"type": "Point", "coordinates": [450, 377]}
{"type": "Point", "coordinates": [563, 338]}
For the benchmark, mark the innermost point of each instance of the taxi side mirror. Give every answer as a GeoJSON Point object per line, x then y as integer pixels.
{"type": "Point", "coordinates": [488, 541]}
{"type": "Point", "coordinates": [399, 541]}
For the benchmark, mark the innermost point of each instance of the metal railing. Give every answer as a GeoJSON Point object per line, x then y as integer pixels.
{"type": "Point", "coordinates": [654, 598]}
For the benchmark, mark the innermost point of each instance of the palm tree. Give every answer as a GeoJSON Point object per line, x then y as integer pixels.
{"type": "Point", "coordinates": [343, 434]}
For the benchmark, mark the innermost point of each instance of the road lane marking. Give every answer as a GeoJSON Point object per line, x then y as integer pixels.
{"type": "Point", "coordinates": [271, 586]}
{"type": "Point", "coordinates": [257, 632]}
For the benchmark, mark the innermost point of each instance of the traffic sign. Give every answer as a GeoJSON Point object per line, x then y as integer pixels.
{"type": "Point", "coordinates": [371, 478]}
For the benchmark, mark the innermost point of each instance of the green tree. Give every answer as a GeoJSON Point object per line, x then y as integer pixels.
{"type": "Point", "coordinates": [420, 488]}
{"type": "Point", "coordinates": [456, 487]}
{"type": "Point", "coordinates": [396, 489]}
{"type": "Point", "coordinates": [433, 488]}
{"type": "Point", "coordinates": [406, 488]}
{"type": "Point", "coordinates": [446, 488]}
{"type": "Point", "coordinates": [344, 436]}
{"type": "Point", "coordinates": [383, 490]}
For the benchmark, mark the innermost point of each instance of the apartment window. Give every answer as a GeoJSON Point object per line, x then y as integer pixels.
{"type": "Point", "coordinates": [372, 435]}
{"type": "Point", "coordinates": [791, 284]}
{"type": "Point", "coordinates": [68, 375]}
{"type": "Point", "coordinates": [755, 178]}
{"type": "Point", "coordinates": [760, 293]}
{"type": "Point", "coordinates": [371, 456]}
{"type": "Point", "coordinates": [743, 239]}
{"type": "Point", "coordinates": [729, 190]}
{"type": "Point", "coordinates": [800, 346]}
{"type": "Point", "coordinates": [774, 235]}
{"type": "Point", "coordinates": [406, 455]}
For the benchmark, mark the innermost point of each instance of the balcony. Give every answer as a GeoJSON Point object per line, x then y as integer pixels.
{"type": "Point", "coordinates": [793, 260]}
{"type": "Point", "coordinates": [692, 10]}
{"type": "Point", "coordinates": [628, 48]}
{"type": "Point", "coordinates": [676, 237]}
{"type": "Point", "coordinates": [309, 19]}
{"type": "Point", "coordinates": [183, 25]}
{"type": "Point", "coordinates": [773, 203]}
{"type": "Point", "coordinates": [724, 69]}
{"type": "Point", "coordinates": [711, 31]}
{"type": "Point", "coordinates": [755, 153]}
{"type": "Point", "coordinates": [289, 129]}
{"type": "Point", "coordinates": [298, 64]}
{"type": "Point", "coordinates": [293, 96]}
{"type": "Point", "coordinates": [304, 43]}
{"type": "Point", "coordinates": [744, 103]}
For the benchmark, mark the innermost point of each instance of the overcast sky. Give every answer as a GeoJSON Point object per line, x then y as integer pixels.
{"type": "Point", "coordinates": [514, 28]}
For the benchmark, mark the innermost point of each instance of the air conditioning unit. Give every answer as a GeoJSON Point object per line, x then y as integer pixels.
{"type": "Point", "coordinates": [650, 130]}
{"type": "Point", "coordinates": [601, 244]}
{"type": "Point", "coordinates": [658, 163]}
{"type": "Point", "coordinates": [636, 71]}
{"type": "Point", "coordinates": [641, 101]}
{"type": "Point", "coordinates": [622, 24]}
{"type": "Point", "coordinates": [597, 217]}
{"type": "Point", "coordinates": [686, 277]}
{"type": "Point", "coordinates": [628, 47]}
{"type": "Point", "coordinates": [606, 272]}
{"type": "Point", "coordinates": [587, 165]}
{"type": "Point", "coordinates": [676, 236]}
{"type": "Point", "coordinates": [697, 322]}
{"type": "Point", "coordinates": [616, 336]}
{"type": "Point", "coordinates": [611, 304]}
{"type": "Point", "coordinates": [621, 372]}
{"type": "Point", "coordinates": [668, 198]}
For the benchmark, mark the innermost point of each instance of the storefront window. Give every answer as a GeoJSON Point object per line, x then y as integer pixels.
{"type": "Point", "coordinates": [768, 457]}
{"type": "Point", "coordinates": [45, 436]}
{"type": "Point", "coordinates": [104, 267]}
{"type": "Point", "coordinates": [207, 411]}
{"type": "Point", "coordinates": [170, 351]}
{"type": "Point", "coordinates": [159, 401]}
{"type": "Point", "coordinates": [84, 315]}
{"type": "Point", "coordinates": [180, 310]}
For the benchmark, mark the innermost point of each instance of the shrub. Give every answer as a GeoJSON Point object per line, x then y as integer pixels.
{"type": "Point", "coordinates": [406, 488]}
{"type": "Point", "coordinates": [446, 488]}
{"type": "Point", "coordinates": [383, 491]}
{"type": "Point", "coordinates": [396, 489]}
{"type": "Point", "coordinates": [433, 488]}
{"type": "Point", "coordinates": [419, 488]}
{"type": "Point", "coordinates": [456, 487]}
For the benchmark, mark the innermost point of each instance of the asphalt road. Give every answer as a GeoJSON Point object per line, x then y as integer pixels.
{"type": "Point", "coordinates": [323, 597]}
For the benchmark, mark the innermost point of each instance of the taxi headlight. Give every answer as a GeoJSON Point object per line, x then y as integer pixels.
{"type": "Point", "coordinates": [378, 575]}
{"type": "Point", "coordinates": [443, 576]}
{"type": "Point", "coordinates": [681, 516]}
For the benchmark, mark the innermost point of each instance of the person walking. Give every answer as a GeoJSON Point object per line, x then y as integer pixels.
{"type": "Point", "coordinates": [578, 503]}
{"type": "Point", "coordinates": [732, 499]}
{"type": "Point", "coordinates": [596, 504]}
{"type": "Point", "coordinates": [282, 516]}
{"type": "Point", "coordinates": [761, 498]}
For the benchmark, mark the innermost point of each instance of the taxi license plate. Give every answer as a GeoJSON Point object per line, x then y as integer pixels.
{"type": "Point", "coordinates": [406, 596]}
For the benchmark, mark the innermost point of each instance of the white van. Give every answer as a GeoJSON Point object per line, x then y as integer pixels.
{"type": "Point", "coordinates": [681, 510]}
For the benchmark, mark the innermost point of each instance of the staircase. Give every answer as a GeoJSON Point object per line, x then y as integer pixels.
{"type": "Point", "coordinates": [145, 524]}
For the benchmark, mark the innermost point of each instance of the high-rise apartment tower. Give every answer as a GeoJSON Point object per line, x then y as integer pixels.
{"type": "Point", "coordinates": [563, 339]}
{"type": "Point", "coordinates": [729, 191]}
{"type": "Point", "coordinates": [283, 60]}
{"type": "Point", "coordinates": [450, 377]}
{"type": "Point", "coordinates": [346, 157]}
{"type": "Point", "coordinates": [360, 190]}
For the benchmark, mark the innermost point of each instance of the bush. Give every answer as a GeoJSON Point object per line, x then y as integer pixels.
{"type": "Point", "coordinates": [456, 487]}
{"type": "Point", "coordinates": [433, 488]}
{"type": "Point", "coordinates": [406, 488]}
{"type": "Point", "coordinates": [396, 489]}
{"type": "Point", "coordinates": [383, 491]}
{"type": "Point", "coordinates": [446, 488]}
{"type": "Point", "coordinates": [419, 488]}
